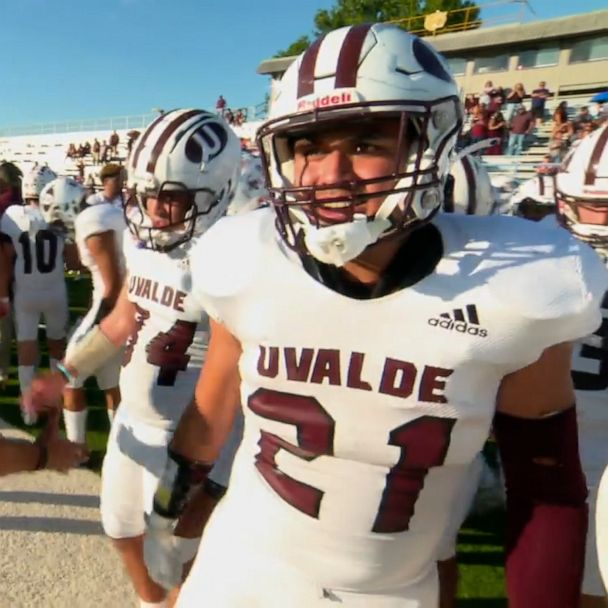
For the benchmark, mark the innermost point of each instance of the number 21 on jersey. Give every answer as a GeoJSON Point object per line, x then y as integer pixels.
{"type": "Point", "coordinates": [423, 443]}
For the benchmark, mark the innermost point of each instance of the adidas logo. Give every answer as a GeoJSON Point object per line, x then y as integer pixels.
{"type": "Point", "coordinates": [463, 320]}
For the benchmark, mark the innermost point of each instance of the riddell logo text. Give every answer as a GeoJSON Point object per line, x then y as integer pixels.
{"type": "Point", "coordinates": [325, 101]}
{"type": "Point", "coordinates": [459, 326]}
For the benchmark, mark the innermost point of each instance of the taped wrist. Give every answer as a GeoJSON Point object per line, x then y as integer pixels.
{"type": "Point", "coordinates": [180, 479]}
{"type": "Point", "coordinates": [91, 353]}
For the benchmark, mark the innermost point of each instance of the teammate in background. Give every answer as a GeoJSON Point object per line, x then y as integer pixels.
{"type": "Point", "coordinates": [112, 181]}
{"type": "Point", "coordinates": [98, 232]}
{"type": "Point", "coordinates": [182, 174]}
{"type": "Point", "coordinates": [39, 284]}
{"type": "Point", "coordinates": [372, 342]}
{"type": "Point", "coordinates": [10, 193]}
{"type": "Point", "coordinates": [581, 193]}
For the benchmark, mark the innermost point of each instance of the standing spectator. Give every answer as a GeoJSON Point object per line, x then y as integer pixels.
{"type": "Point", "coordinates": [103, 153]}
{"type": "Point", "coordinates": [497, 98]}
{"type": "Point", "coordinates": [229, 116]}
{"type": "Point", "coordinates": [496, 128]}
{"type": "Point", "coordinates": [470, 101]}
{"type": "Point", "coordinates": [114, 141]}
{"type": "Point", "coordinates": [515, 99]}
{"type": "Point", "coordinates": [582, 118]}
{"type": "Point", "coordinates": [560, 115]}
{"type": "Point", "coordinates": [479, 124]}
{"type": "Point", "coordinates": [220, 105]}
{"type": "Point", "coordinates": [71, 153]}
{"type": "Point", "coordinates": [87, 148]}
{"type": "Point", "coordinates": [539, 98]}
{"type": "Point", "coordinates": [559, 143]}
{"type": "Point", "coordinates": [239, 119]}
{"type": "Point", "coordinates": [96, 151]}
{"type": "Point", "coordinates": [521, 125]}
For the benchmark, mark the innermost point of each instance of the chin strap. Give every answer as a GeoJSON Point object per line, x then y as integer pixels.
{"type": "Point", "coordinates": [341, 243]}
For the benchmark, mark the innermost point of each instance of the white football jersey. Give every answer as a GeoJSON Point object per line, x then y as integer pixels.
{"type": "Point", "coordinates": [38, 250]}
{"type": "Point", "coordinates": [362, 417]}
{"type": "Point", "coordinates": [97, 219]}
{"type": "Point", "coordinates": [164, 356]}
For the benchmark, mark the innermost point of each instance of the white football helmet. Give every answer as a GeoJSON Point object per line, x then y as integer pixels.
{"type": "Point", "coordinates": [581, 191]}
{"type": "Point", "coordinates": [191, 151]}
{"type": "Point", "coordinates": [470, 192]}
{"type": "Point", "coordinates": [61, 201]}
{"type": "Point", "coordinates": [35, 180]}
{"type": "Point", "coordinates": [534, 199]}
{"type": "Point", "coordinates": [347, 77]}
{"type": "Point", "coordinates": [251, 189]}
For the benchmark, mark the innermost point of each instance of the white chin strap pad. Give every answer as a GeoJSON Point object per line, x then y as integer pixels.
{"type": "Point", "coordinates": [341, 243]}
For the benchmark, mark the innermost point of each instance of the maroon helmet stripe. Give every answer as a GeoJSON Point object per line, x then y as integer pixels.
{"type": "Point", "coordinates": [306, 75]}
{"type": "Point", "coordinates": [596, 155]}
{"type": "Point", "coordinates": [348, 61]}
{"type": "Point", "coordinates": [143, 138]}
{"type": "Point", "coordinates": [166, 134]}
{"type": "Point", "coordinates": [472, 189]}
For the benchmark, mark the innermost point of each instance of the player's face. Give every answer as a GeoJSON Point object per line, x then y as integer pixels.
{"type": "Point", "coordinates": [168, 209]}
{"type": "Point", "coordinates": [343, 154]}
{"type": "Point", "coordinates": [112, 186]}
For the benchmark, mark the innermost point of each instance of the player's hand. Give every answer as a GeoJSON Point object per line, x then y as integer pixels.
{"type": "Point", "coordinates": [5, 307]}
{"type": "Point", "coordinates": [44, 394]}
{"type": "Point", "coordinates": [62, 454]}
{"type": "Point", "coordinates": [164, 553]}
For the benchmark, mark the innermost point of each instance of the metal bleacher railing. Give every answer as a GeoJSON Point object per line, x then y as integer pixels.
{"type": "Point", "coordinates": [118, 123]}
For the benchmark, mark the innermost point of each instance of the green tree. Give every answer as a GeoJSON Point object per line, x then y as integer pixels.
{"type": "Point", "coordinates": [409, 14]}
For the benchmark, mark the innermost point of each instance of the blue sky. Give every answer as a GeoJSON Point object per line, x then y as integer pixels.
{"type": "Point", "coordinates": [74, 59]}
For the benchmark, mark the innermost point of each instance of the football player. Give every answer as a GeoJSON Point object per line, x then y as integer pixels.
{"type": "Point", "coordinates": [97, 231]}
{"type": "Point", "coordinates": [372, 343]}
{"type": "Point", "coordinates": [468, 187]}
{"type": "Point", "coordinates": [182, 173]}
{"type": "Point", "coordinates": [581, 191]}
{"type": "Point", "coordinates": [10, 193]}
{"type": "Point", "coordinates": [39, 288]}
{"type": "Point", "coordinates": [534, 199]}
{"type": "Point", "coordinates": [112, 178]}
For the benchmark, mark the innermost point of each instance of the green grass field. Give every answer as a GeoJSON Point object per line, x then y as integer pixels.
{"type": "Point", "coordinates": [479, 543]}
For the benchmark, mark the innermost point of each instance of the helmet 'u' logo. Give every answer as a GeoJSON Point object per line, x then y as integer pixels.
{"type": "Point", "coordinates": [206, 143]}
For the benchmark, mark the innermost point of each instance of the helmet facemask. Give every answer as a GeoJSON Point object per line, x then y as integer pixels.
{"type": "Point", "coordinates": [409, 193]}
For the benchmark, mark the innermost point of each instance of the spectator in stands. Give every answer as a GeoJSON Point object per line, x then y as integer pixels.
{"type": "Point", "coordinates": [114, 141]}
{"type": "Point", "coordinates": [96, 150]}
{"type": "Point", "coordinates": [497, 97]}
{"type": "Point", "coordinates": [601, 112]}
{"type": "Point", "coordinates": [539, 98]}
{"type": "Point", "coordinates": [87, 148]}
{"type": "Point", "coordinates": [71, 153]}
{"type": "Point", "coordinates": [80, 153]}
{"type": "Point", "coordinates": [239, 118]}
{"type": "Point", "coordinates": [470, 101]}
{"type": "Point", "coordinates": [497, 127]}
{"type": "Point", "coordinates": [582, 117]}
{"type": "Point", "coordinates": [90, 184]}
{"type": "Point", "coordinates": [515, 99]}
{"type": "Point", "coordinates": [112, 178]}
{"type": "Point", "coordinates": [103, 153]}
{"type": "Point", "coordinates": [229, 116]}
{"type": "Point", "coordinates": [520, 125]}
{"type": "Point", "coordinates": [547, 167]}
{"type": "Point", "coordinates": [220, 105]}
{"type": "Point", "coordinates": [561, 134]}
{"type": "Point", "coordinates": [560, 114]}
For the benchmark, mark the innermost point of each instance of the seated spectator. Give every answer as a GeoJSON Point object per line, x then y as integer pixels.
{"type": "Point", "coordinates": [470, 101]}
{"type": "Point", "coordinates": [497, 97]}
{"type": "Point", "coordinates": [496, 128]}
{"type": "Point", "coordinates": [515, 99]}
{"type": "Point", "coordinates": [81, 151]}
{"type": "Point", "coordinates": [520, 125]}
{"type": "Point", "coordinates": [229, 116]}
{"type": "Point", "coordinates": [547, 167]}
{"type": "Point", "coordinates": [71, 153]}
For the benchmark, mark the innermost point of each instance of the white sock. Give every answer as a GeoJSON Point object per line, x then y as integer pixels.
{"type": "Point", "coordinates": [75, 425]}
{"type": "Point", "coordinates": [26, 375]}
{"type": "Point", "coordinates": [161, 604]}
{"type": "Point", "coordinates": [53, 364]}
{"type": "Point", "coordinates": [111, 414]}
